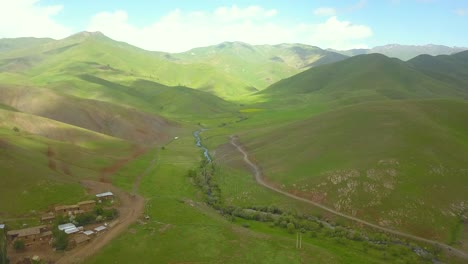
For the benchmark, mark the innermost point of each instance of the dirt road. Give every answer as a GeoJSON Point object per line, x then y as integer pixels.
{"type": "Point", "coordinates": [260, 180]}
{"type": "Point", "coordinates": [131, 207]}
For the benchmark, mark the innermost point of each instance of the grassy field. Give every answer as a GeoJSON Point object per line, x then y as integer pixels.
{"type": "Point", "coordinates": [183, 229]}
{"type": "Point", "coordinates": [394, 169]}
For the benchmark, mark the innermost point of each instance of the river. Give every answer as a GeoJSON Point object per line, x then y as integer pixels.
{"type": "Point", "coordinates": [198, 143]}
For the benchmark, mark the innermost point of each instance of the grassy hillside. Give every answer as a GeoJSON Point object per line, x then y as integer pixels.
{"type": "Point", "coordinates": [259, 66]}
{"type": "Point", "coordinates": [42, 161]}
{"type": "Point", "coordinates": [390, 162]}
{"type": "Point", "coordinates": [370, 136]}
{"type": "Point", "coordinates": [183, 229]}
{"type": "Point", "coordinates": [227, 70]}
{"type": "Point", "coordinates": [106, 118]}
{"type": "Point", "coordinates": [9, 44]}
{"type": "Point", "coordinates": [361, 78]}
{"type": "Point", "coordinates": [448, 68]}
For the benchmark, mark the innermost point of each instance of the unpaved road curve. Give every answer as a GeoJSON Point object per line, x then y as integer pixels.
{"type": "Point", "coordinates": [260, 180]}
{"type": "Point", "coordinates": [131, 208]}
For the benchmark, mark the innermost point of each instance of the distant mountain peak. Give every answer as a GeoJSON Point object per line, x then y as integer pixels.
{"type": "Point", "coordinates": [89, 34]}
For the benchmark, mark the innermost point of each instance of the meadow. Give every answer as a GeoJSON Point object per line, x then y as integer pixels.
{"type": "Point", "coordinates": [182, 228]}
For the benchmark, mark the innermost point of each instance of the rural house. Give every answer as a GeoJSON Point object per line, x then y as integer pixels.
{"type": "Point", "coordinates": [105, 196]}
{"type": "Point", "coordinates": [30, 235]}
{"type": "Point", "coordinates": [87, 206]}
{"type": "Point", "coordinates": [79, 239]}
{"type": "Point", "coordinates": [47, 218]}
{"type": "Point", "coordinates": [68, 210]}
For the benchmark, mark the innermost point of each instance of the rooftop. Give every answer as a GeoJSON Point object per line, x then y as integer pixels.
{"type": "Point", "coordinates": [64, 207]}
{"type": "Point", "coordinates": [88, 232]}
{"type": "Point", "coordinates": [80, 238]}
{"type": "Point", "coordinates": [87, 202]}
{"type": "Point", "coordinates": [66, 226]}
{"type": "Point", "coordinates": [104, 194]}
{"type": "Point", "coordinates": [99, 228]}
{"type": "Point", "coordinates": [71, 230]}
{"type": "Point", "coordinates": [47, 233]}
{"type": "Point", "coordinates": [47, 217]}
{"type": "Point", "coordinates": [27, 231]}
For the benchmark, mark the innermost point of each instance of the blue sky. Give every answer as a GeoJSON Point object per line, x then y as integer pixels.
{"type": "Point", "coordinates": [180, 25]}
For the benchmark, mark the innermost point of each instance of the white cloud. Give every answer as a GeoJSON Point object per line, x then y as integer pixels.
{"type": "Point", "coordinates": [325, 11]}
{"type": "Point", "coordinates": [179, 31]}
{"type": "Point", "coordinates": [27, 18]}
{"type": "Point", "coordinates": [461, 12]}
{"type": "Point", "coordinates": [357, 6]}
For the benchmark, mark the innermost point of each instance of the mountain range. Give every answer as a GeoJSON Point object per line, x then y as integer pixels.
{"type": "Point", "coordinates": [405, 52]}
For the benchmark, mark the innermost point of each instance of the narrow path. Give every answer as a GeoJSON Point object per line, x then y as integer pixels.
{"type": "Point", "coordinates": [137, 182]}
{"type": "Point", "coordinates": [260, 180]}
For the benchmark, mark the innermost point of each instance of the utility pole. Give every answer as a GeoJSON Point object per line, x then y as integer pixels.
{"type": "Point", "coordinates": [300, 240]}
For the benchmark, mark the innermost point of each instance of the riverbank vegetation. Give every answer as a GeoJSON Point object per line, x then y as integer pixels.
{"type": "Point", "coordinates": [311, 226]}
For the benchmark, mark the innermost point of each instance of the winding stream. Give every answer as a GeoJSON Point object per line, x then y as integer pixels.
{"type": "Point", "coordinates": [198, 143]}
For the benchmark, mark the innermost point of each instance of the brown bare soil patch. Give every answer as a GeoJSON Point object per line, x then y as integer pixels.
{"type": "Point", "coordinates": [107, 171]}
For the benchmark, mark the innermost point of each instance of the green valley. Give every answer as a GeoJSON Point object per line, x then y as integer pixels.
{"type": "Point", "coordinates": [291, 129]}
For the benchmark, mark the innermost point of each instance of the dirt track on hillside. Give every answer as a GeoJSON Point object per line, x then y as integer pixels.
{"type": "Point", "coordinates": [260, 180]}
{"type": "Point", "coordinates": [131, 208]}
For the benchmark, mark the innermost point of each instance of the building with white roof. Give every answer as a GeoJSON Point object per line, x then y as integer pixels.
{"type": "Point", "coordinates": [88, 232]}
{"type": "Point", "coordinates": [66, 226]}
{"type": "Point", "coordinates": [72, 230]}
{"type": "Point", "coordinates": [99, 229]}
{"type": "Point", "coordinates": [105, 194]}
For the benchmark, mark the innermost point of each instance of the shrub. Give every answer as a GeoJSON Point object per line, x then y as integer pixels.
{"type": "Point", "coordinates": [110, 214]}
{"type": "Point", "coordinates": [60, 240]}
{"type": "Point", "coordinates": [291, 227]}
{"type": "Point", "coordinates": [85, 219]}
{"type": "Point", "coordinates": [18, 244]}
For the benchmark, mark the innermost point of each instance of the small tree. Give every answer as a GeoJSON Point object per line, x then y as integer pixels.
{"type": "Point", "coordinates": [99, 210]}
{"type": "Point", "coordinates": [16, 129]}
{"type": "Point", "coordinates": [18, 244]}
{"type": "Point", "coordinates": [60, 239]}
{"type": "Point", "coordinates": [291, 227]}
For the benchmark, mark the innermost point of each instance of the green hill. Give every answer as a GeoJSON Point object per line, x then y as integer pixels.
{"type": "Point", "coordinates": [374, 137]}
{"type": "Point", "coordinates": [111, 119]}
{"type": "Point", "coordinates": [362, 78]}
{"type": "Point", "coordinates": [227, 70]}
{"type": "Point", "coordinates": [448, 68]}
{"type": "Point", "coordinates": [9, 44]}
{"type": "Point", "coordinates": [389, 162]}
{"type": "Point", "coordinates": [258, 66]}
{"type": "Point", "coordinates": [42, 161]}
{"type": "Point", "coordinates": [405, 52]}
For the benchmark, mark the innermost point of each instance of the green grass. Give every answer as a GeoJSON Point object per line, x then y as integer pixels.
{"type": "Point", "coordinates": [43, 161]}
{"type": "Point", "coordinates": [361, 79]}
{"type": "Point", "coordinates": [183, 229]}
{"type": "Point", "coordinates": [228, 70]}
{"type": "Point", "coordinates": [396, 153]}
{"type": "Point", "coordinates": [352, 116]}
